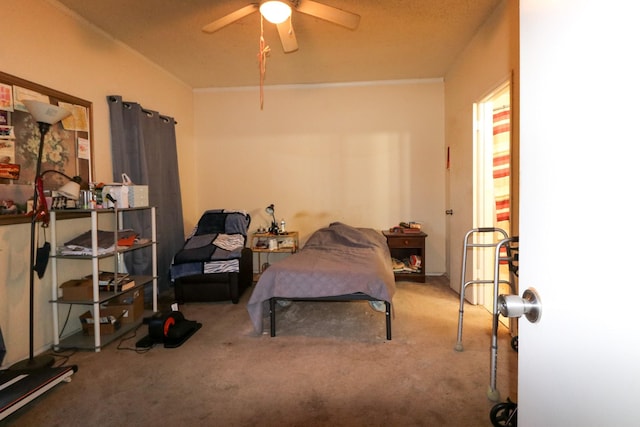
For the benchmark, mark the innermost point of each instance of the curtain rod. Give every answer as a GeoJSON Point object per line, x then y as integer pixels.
{"type": "Point", "coordinates": [166, 119]}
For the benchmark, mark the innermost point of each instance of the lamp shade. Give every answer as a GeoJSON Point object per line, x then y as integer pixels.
{"type": "Point", "coordinates": [274, 11]}
{"type": "Point", "coordinates": [43, 112]}
{"type": "Point", "coordinates": [274, 225]}
{"type": "Point", "coordinates": [70, 190]}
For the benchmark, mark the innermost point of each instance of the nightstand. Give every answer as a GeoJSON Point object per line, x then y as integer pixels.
{"type": "Point", "coordinates": [402, 246]}
{"type": "Point", "coordinates": [268, 243]}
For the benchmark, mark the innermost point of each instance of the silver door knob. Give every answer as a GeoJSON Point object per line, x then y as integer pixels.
{"type": "Point", "coordinates": [514, 306]}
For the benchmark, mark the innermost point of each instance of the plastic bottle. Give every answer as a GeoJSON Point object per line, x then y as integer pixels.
{"type": "Point", "coordinates": [282, 226]}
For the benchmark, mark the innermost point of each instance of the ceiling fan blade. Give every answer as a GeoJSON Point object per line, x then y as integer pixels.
{"type": "Point", "coordinates": [287, 36]}
{"type": "Point", "coordinates": [230, 18]}
{"type": "Point", "coordinates": [329, 13]}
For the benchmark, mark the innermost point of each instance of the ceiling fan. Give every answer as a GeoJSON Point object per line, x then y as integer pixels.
{"type": "Point", "coordinates": [283, 21]}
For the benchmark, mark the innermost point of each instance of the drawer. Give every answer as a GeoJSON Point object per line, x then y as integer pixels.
{"type": "Point", "coordinates": [405, 242]}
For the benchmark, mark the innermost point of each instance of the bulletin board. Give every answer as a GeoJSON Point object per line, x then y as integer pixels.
{"type": "Point", "coordinates": [67, 145]}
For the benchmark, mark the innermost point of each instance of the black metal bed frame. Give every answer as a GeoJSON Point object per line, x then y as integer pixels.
{"type": "Point", "coordinates": [349, 297]}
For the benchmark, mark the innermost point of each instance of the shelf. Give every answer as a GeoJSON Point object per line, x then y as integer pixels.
{"type": "Point", "coordinates": [275, 251]}
{"type": "Point", "coordinates": [106, 296]}
{"type": "Point", "coordinates": [402, 246]}
{"type": "Point", "coordinates": [81, 341]}
{"type": "Point", "coordinates": [418, 276]}
{"type": "Point", "coordinates": [77, 213]}
{"type": "Point", "coordinates": [121, 249]}
{"type": "Point", "coordinates": [286, 243]}
{"type": "Point", "coordinates": [98, 303]}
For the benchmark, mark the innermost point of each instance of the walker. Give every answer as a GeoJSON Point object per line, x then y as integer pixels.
{"type": "Point", "coordinates": [510, 256]}
{"type": "Point", "coordinates": [470, 242]}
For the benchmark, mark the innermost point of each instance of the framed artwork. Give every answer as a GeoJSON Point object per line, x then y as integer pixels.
{"type": "Point", "coordinates": [67, 145]}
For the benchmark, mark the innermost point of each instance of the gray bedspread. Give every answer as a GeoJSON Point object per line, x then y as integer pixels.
{"type": "Point", "coordinates": [336, 260]}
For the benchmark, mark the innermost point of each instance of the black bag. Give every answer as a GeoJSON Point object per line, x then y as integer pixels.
{"type": "Point", "coordinates": [42, 259]}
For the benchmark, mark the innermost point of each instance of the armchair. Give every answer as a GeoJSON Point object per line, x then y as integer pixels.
{"type": "Point", "coordinates": [214, 264]}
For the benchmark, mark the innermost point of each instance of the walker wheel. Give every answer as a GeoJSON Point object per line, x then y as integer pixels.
{"type": "Point", "coordinates": [504, 414]}
{"type": "Point", "coordinates": [514, 343]}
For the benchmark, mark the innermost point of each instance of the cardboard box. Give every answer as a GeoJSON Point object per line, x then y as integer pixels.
{"type": "Point", "coordinates": [110, 321]}
{"type": "Point", "coordinates": [138, 196]}
{"type": "Point", "coordinates": [77, 290]}
{"type": "Point", "coordinates": [131, 304]}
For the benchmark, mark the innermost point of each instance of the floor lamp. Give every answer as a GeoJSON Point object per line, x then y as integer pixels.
{"type": "Point", "coordinates": [45, 115]}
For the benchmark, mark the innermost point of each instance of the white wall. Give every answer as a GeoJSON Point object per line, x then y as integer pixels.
{"type": "Point", "coordinates": [44, 44]}
{"type": "Point", "coordinates": [367, 154]}
{"type": "Point", "coordinates": [488, 61]}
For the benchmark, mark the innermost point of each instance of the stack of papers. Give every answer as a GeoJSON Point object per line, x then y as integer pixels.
{"type": "Point", "coordinates": [81, 245]}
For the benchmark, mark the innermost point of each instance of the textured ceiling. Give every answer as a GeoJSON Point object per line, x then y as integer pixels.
{"type": "Point", "coordinates": [403, 39]}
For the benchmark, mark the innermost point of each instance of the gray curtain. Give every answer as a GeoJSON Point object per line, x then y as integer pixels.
{"type": "Point", "coordinates": [143, 145]}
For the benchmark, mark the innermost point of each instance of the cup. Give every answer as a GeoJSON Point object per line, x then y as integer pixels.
{"type": "Point", "coordinates": [85, 199]}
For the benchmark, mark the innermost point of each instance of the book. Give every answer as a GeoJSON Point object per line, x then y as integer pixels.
{"type": "Point", "coordinates": [109, 281]}
{"type": "Point", "coordinates": [411, 230]}
{"type": "Point", "coordinates": [121, 286]}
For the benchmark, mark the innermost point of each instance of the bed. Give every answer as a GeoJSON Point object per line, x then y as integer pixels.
{"type": "Point", "coordinates": [338, 263]}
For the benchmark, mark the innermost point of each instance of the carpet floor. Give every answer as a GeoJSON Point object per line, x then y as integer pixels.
{"type": "Point", "coordinates": [329, 365]}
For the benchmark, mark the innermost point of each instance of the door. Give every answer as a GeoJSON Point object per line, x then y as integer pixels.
{"type": "Point", "coordinates": [579, 179]}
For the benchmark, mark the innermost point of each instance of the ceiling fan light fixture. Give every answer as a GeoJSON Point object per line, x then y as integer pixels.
{"type": "Point", "coordinates": [275, 11]}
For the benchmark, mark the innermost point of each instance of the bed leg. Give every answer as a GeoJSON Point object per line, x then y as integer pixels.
{"type": "Point", "coordinates": [387, 306]}
{"type": "Point", "coordinates": [272, 315]}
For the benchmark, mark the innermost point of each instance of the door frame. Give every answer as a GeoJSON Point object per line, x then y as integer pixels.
{"type": "Point", "coordinates": [484, 201]}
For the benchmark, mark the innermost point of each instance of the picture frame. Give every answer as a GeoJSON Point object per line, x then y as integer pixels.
{"type": "Point", "coordinates": [67, 148]}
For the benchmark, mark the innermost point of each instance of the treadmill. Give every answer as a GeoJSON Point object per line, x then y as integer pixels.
{"type": "Point", "coordinates": [18, 388]}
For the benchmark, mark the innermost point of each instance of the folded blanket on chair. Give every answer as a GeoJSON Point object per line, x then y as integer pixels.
{"type": "Point", "coordinates": [215, 246]}
{"type": "Point", "coordinates": [210, 247]}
